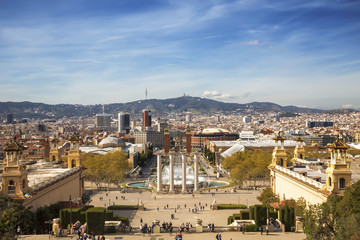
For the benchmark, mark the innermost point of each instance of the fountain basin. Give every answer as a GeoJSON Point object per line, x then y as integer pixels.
{"type": "Point", "coordinates": [146, 184]}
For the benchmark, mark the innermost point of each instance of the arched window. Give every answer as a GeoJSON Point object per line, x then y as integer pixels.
{"type": "Point", "coordinates": [11, 187]}
{"type": "Point", "coordinates": [301, 156]}
{"type": "Point", "coordinates": [342, 183]}
{"type": "Point", "coordinates": [330, 181]}
{"type": "Point", "coordinates": [281, 161]}
{"type": "Point", "coordinates": [53, 158]}
{"type": "Point", "coordinates": [73, 163]}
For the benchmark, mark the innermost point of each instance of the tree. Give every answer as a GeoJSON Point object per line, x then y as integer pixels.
{"type": "Point", "coordinates": [350, 203]}
{"type": "Point", "coordinates": [348, 214]}
{"type": "Point", "coordinates": [44, 214]}
{"type": "Point", "coordinates": [210, 156]}
{"type": "Point", "coordinates": [13, 215]}
{"type": "Point", "coordinates": [337, 218]}
{"type": "Point", "coordinates": [95, 170]}
{"type": "Point", "coordinates": [300, 207]}
{"type": "Point", "coordinates": [108, 168]}
{"type": "Point", "coordinates": [248, 165]}
{"type": "Point", "coordinates": [265, 195]}
{"type": "Point", "coordinates": [348, 227]}
{"type": "Point", "coordinates": [311, 153]}
{"type": "Point", "coordinates": [117, 167]}
{"type": "Point", "coordinates": [318, 223]}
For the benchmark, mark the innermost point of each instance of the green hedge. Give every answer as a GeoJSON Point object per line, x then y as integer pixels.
{"type": "Point", "coordinates": [287, 217]}
{"type": "Point", "coordinates": [251, 228]}
{"type": "Point", "coordinates": [252, 212]}
{"type": "Point", "coordinates": [230, 220]}
{"type": "Point", "coordinates": [244, 215]}
{"type": "Point", "coordinates": [85, 208]}
{"type": "Point", "coordinates": [82, 218]}
{"type": "Point", "coordinates": [237, 216]}
{"type": "Point", "coordinates": [111, 229]}
{"type": "Point", "coordinates": [273, 214]}
{"type": "Point", "coordinates": [124, 220]}
{"type": "Point", "coordinates": [109, 215]}
{"type": "Point", "coordinates": [260, 214]}
{"type": "Point", "coordinates": [43, 214]}
{"type": "Point", "coordinates": [95, 218]}
{"type": "Point", "coordinates": [231, 206]}
{"type": "Point", "coordinates": [65, 216]}
{"type": "Point", "coordinates": [123, 207]}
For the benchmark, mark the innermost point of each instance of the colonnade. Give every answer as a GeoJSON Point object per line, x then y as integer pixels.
{"type": "Point", "coordinates": [171, 173]}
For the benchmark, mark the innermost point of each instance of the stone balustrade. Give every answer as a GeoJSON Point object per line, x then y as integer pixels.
{"type": "Point", "coordinates": [300, 176]}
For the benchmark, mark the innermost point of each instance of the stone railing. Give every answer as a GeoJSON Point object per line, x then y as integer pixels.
{"type": "Point", "coordinates": [307, 161]}
{"type": "Point", "coordinates": [300, 177]}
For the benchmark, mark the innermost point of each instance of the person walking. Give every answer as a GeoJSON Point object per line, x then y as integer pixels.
{"type": "Point", "coordinates": [261, 230]}
{"type": "Point", "coordinates": [243, 228]}
{"type": "Point", "coordinates": [267, 230]}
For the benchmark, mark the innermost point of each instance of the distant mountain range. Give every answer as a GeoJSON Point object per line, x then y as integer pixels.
{"type": "Point", "coordinates": [172, 105]}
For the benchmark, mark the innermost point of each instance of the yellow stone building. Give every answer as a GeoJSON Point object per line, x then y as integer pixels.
{"type": "Point", "coordinates": [303, 178]}
{"type": "Point", "coordinates": [54, 150]}
{"type": "Point", "coordinates": [40, 184]}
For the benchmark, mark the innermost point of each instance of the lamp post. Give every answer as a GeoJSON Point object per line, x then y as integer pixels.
{"type": "Point", "coordinates": [71, 233]}
{"type": "Point", "coordinates": [49, 222]}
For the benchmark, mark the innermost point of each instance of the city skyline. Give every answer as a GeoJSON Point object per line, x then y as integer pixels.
{"type": "Point", "coordinates": [302, 53]}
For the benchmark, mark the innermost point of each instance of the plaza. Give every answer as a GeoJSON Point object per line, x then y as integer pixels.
{"type": "Point", "coordinates": [162, 206]}
{"type": "Point", "coordinates": [186, 236]}
{"type": "Point", "coordinates": [152, 202]}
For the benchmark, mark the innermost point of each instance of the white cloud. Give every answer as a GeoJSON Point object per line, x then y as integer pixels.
{"type": "Point", "coordinates": [216, 95]}
{"type": "Point", "coordinates": [253, 42]}
{"type": "Point", "coordinates": [350, 106]}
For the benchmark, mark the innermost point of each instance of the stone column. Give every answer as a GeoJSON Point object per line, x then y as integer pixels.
{"type": "Point", "coordinates": [171, 176]}
{"type": "Point", "coordinates": [159, 177]}
{"type": "Point", "coordinates": [156, 228]}
{"type": "Point", "coordinates": [196, 174]}
{"type": "Point", "coordinates": [183, 173]}
{"type": "Point", "coordinates": [199, 226]}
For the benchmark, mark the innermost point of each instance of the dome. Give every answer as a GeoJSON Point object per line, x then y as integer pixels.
{"type": "Point", "coordinates": [111, 141]}
{"type": "Point", "coordinates": [214, 130]}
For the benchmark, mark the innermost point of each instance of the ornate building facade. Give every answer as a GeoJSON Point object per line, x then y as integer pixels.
{"type": "Point", "coordinates": [304, 178]}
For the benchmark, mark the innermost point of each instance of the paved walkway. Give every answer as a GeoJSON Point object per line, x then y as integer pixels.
{"type": "Point", "coordinates": [187, 236]}
{"type": "Point", "coordinates": [162, 206]}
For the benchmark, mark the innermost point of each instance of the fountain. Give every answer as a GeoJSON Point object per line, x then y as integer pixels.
{"type": "Point", "coordinates": [170, 177]}
{"type": "Point", "coordinates": [178, 175]}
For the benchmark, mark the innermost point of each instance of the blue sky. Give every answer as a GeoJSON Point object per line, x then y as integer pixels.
{"type": "Point", "coordinates": [291, 52]}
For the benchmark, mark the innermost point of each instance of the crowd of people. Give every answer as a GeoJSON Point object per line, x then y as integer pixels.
{"type": "Point", "coordinates": [92, 236]}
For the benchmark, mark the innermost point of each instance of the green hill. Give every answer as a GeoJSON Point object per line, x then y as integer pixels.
{"type": "Point", "coordinates": [172, 105]}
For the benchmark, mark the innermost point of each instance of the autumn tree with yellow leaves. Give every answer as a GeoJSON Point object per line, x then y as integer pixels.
{"type": "Point", "coordinates": [248, 165]}
{"type": "Point", "coordinates": [109, 168]}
